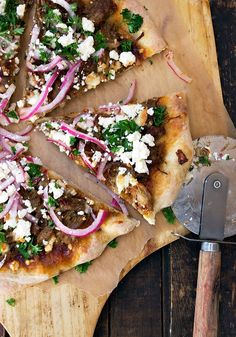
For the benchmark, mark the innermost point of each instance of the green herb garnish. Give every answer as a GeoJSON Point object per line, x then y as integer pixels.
{"type": "Point", "coordinates": [134, 21]}
{"type": "Point", "coordinates": [34, 170]}
{"type": "Point", "coordinates": [116, 135]}
{"type": "Point", "coordinates": [73, 141]}
{"type": "Point", "coordinates": [76, 152]}
{"type": "Point", "coordinates": [55, 279]}
{"type": "Point", "coordinates": [28, 249]}
{"type": "Point", "coordinates": [51, 18]}
{"type": "Point", "coordinates": [18, 31]}
{"type": "Point", "coordinates": [3, 237]}
{"type": "Point", "coordinates": [100, 41]}
{"type": "Point", "coordinates": [52, 202]}
{"type": "Point", "coordinates": [82, 268]}
{"type": "Point", "coordinates": [12, 114]}
{"type": "Point", "coordinates": [204, 160]}
{"type": "Point", "coordinates": [1, 208]}
{"type": "Point", "coordinates": [44, 55]}
{"type": "Point", "coordinates": [159, 115]}
{"type": "Point", "coordinates": [126, 45]}
{"type": "Point", "coordinates": [9, 20]}
{"type": "Point", "coordinates": [13, 149]}
{"type": "Point", "coordinates": [113, 243]}
{"type": "Point", "coordinates": [169, 214]}
{"type": "Point", "coordinates": [51, 224]}
{"type": "Point", "coordinates": [11, 301]}
{"type": "Point", "coordinates": [69, 52]}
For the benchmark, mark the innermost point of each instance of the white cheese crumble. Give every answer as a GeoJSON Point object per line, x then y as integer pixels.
{"type": "Point", "coordinates": [88, 25]}
{"type": "Point", "coordinates": [49, 34]}
{"type": "Point", "coordinates": [66, 40]}
{"type": "Point", "coordinates": [97, 156]}
{"type": "Point", "coordinates": [106, 121]}
{"type": "Point", "coordinates": [11, 190]}
{"type": "Point", "coordinates": [20, 11]}
{"type": "Point", "coordinates": [57, 191]}
{"type": "Point", "coordinates": [86, 48]}
{"type": "Point", "coordinates": [114, 55]}
{"type": "Point", "coordinates": [2, 7]}
{"type": "Point", "coordinates": [150, 111]}
{"type": "Point", "coordinates": [3, 197]}
{"type": "Point", "coordinates": [127, 58]}
{"type": "Point", "coordinates": [148, 139]}
{"type": "Point", "coordinates": [22, 213]}
{"type": "Point", "coordinates": [132, 110]}
{"type": "Point", "coordinates": [61, 25]}
{"type": "Point", "coordinates": [4, 170]}
{"type": "Point", "coordinates": [16, 171]}
{"type": "Point", "coordinates": [22, 229]}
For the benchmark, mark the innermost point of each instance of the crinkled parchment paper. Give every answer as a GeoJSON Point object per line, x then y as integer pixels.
{"type": "Point", "coordinates": [207, 116]}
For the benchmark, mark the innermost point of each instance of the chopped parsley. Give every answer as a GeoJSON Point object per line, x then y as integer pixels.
{"type": "Point", "coordinates": [3, 237]}
{"type": "Point", "coordinates": [12, 114]}
{"type": "Point", "coordinates": [9, 20]}
{"type": "Point", "coordinates": [11, 301]}
{"type": "Point", "coordinates": [204, 160]}
{"type": "Point", "coordinates": [34, 170]}
{"type": "Point", "coordinates": [1, 208]}
{"type": "Point", "coordinates": [28, 249]}
{"type": "Point", "coordinates": [76, 152]}
{"type": "Point", "coordinates": [52, 202]}
{"type": "Point", "coordinates": [69, 52]}
{"type": "Point", "coordinates": [13, 148]}
{"type": "Point", "coordinates": [126, 45]}
{"type": "Point", "coordinates": [74, 7]}
{"type": "Point", "coordinates": [116, 135]}
{"type": "Point", "coordinates": [51, 17]}
{"type": "Point", "coordinates": [75, 22]}
{"type": "Point", "coordinates": [51, 224]}
{"type": "Point", "coordinates": [113, 244]}
{"type": "Point", "coordinates": [48, 125]}
{"type": "Point", "coordinates": [73, 141]}
{"type": "Point", "coordinates": [99, 41]}
{"type": "Point", "coordinates": [44, 55]}
{"type": "Point", "coordinates": [134, 21]}
{"type": "Point", "coordinates": [55, 279]}
{"type": "Point", "coordinates": [169, 215]}
{"type": "Point", "coordinates": [18, 31]}
{"type": "Point", "coordinates": [159, 115]}
{"type": "Point", "coordinates": [82, 268]}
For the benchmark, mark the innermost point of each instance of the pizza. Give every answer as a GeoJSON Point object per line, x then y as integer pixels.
{"type": "Point", "coordinates": [141, 152]}
{"type": "Point", "coordinates": [47, 225]}
{"type": "Point", "coordinates": [76, 45]}
{"type": "Point", "coordinates": [12, 25]}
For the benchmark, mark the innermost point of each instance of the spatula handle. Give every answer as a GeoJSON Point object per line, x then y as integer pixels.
{"type": "Point", "coordinates": [207, 299]}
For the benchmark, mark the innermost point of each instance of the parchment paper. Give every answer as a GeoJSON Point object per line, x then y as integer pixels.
{"type": "Point", "coordinates": [207, 116]}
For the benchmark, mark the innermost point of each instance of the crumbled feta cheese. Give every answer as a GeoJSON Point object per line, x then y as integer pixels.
{"type": "Point", "coordinates": [150, 111]}
{"type": "Point", "coordinates": [123, 181]}
{"type": "Point", "coordinates": [4, 170]}
{"type": "Point", "coordinates": [2, 7]}
{"type": "Point", "coordinates": [20, 103]}
{"type": "Point", "coordinates": [66, 40]}
{"type": "Point", "coordinates": [127, 58]}
{"type": "Point", "coordinates": [112, 74]}
{"type": "Point", "coordinates": [32, 100]}
{"type": "Point", "coordinates": [49, 34]}
{"type": "Point", "coordinates": [57, 191]}
{"type": "Point", "coordinates": [132, 110]}
{"type": "Point", "coordinates": [97, 156]}
{"type": "Point", "coordinates": [16, 171]}
{"type": "Point", "coordinates": [106, 121]}
{"type": "Point", "coordinates": [80, 213]}
{"type": "Point", "coordinates": [132, 137]}
{"type": "Point", "coordinates": [141, 166]}
{"type": "Point", "coordinates": [114, 55]}
{"type": "Point", "coordinates": [27, 203]}
{"type": "Point", "coordinates": [60, 135]}
{"type": "Point", "coordinates": [40, 190]}
{"type": "Point", "coordinates": [20, 11]}
{"type": "Point", "coordinates": [10, 223]}
{"type": "Point", "coordinates": [61, 25]}
{"type": "Point", "coordinates": [44, 213]}
{"type": "Point", "coordinates": [22, 213]}
{"type": "Point", "coordinates": [122, 170]}
{"type": "Point", "coordinates": [88, 25]}
{"type": "Point", "coordinates": [22, 229]}
{"type": "Point", "coordinates": [86, 48]}
{"type": "Point", "coordinates": [149, 140]}
{"type": "Point", "coordinates": [56, 12]}
{"type": "Point", "coordinates": [3, 197]}
{"type": "Point", "coordinates": [11, 190]}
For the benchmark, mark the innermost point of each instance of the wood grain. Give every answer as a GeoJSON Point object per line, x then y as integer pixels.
{"type": "Point", "coordinates": [41, 318]}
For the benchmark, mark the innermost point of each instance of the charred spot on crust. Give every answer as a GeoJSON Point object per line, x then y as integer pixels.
{"type": "Point", "coordinates": [182, 159]}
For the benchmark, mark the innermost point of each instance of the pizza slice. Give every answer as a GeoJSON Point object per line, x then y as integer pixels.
{"type": "Point", "coordinates": [76, 45]}
{"type": "Point", "coordinates": [142, 152]}
{"type": "Point", "coordinates": [47, 225]}
{"type": "Point", "coordinates": [12, 25]}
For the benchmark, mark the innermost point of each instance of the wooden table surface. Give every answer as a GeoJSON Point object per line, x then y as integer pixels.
{"type": "Point", "coordinates": [156, 299]}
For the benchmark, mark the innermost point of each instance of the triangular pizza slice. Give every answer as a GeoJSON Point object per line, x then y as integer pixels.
{"type": "Point", "coordinates": [76, 45]}
{"type": "Point", "coordinates": [142, 152]}
{"type": "Point", "coordinates": [47, 226]}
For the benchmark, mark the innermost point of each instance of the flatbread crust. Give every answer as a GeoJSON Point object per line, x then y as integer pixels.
{"type": "Point", "coordinates": [165, 179]}
{"type": "Point", "coordinates": [83, 249]}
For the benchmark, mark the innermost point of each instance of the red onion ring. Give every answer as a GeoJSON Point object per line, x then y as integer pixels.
{"type": "Point", "coordinates": [84, 157]}
{"type": "Point", "coordinates": [25, 131]}
{"type": "Point", "coordinates": [6, 183]}
{"type": "Point", "coordinates": [64, 88]}
{"type": "Point", "coordinates": [31, 218]}
{"type": "Point", "coordinates": [84, 136]}
{"type": "Point", "coordinates": [13, 136]}
{"type": "Point", "coordinates": [65, 5]}
{"type": "Point", "coordinates": [169, 56]}
{"type": "Point", "coordinates": [108, 108]}
{"type": "Point", "coordinates": [30, 112]}
{"type": "Point", "coordinates": [34, 160]}
{"type": "Point", "coordinates": [8, 206]}
{"type": "Point", "coordinates": [96, 224]}
{"type": "Point", "coordinates": [44, 68]}
{"type": "Point", "coordinates": [3, 154]}
{"type": "Point", "coordinates": [59, 143]}
{"type": "Point", "coordinates": [131, 93]}
{"type": "Point", "coordinates": [6, 97]}
{"type": "Point", "coordinates": [101, 167]}
{"type": "Point", "coordinates": [5, 145]}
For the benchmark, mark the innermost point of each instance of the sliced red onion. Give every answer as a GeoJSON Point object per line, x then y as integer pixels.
{"type": "Point", "coordinates": [88, 122]}
{"type": "Point", "coordinates": [101, 167]}
{"type": "Point", "coordinates": [84, 157]}
{"type": "Point", "coordinates": [99, 53]}
{"type": "Point", "coordinates": [25, 131]}
{"type": "Point", "coordinates": [110, 107]}
{"type": "Point", "coordinates": [115, 204]}
{"type": "Point", "coordinates": [96, 224]}
{"type": "Point", "coordinates": [15, 207]}
{"type": "Point", "coordinates": [34, 160]}
{"type": "Point", "coordinates": [31, 218]}
{"type": "Point", "coordinates": [6, 97]}
{"type": "Point", "coordinates": [19, 175]}
{"type": "Point", "coordinates": [119, 201]}
{"type": "Point", "coordinates": [8, 206]}
{"type": "Point", "coordinates": [84, 136]}
{"type": "Point", "coordinates": [30, 112]}
{"type": "Point", "coordinates": [18, 152]}
{"type": "Point", "coordinates": [5, 145]}
{"type": "Point", "coordinates": [65, 87]}
{"type": "Point", "coordinates": [6, 183]}
{"type": "Point", "coordinates": [65, 5]}
{"type": "Point", "coordinates": [3, 154]}
{"type": "Point", "coordinates": [131, 93]}
{"type": "Point", "coordinates": [45, 68]}
{"type": "Point", "coordinates": [13, 136]}
{"type": "Point", "coordinates": [169, 56]}
{"type": "Point", "coordinates": [34, 36]}
{"type": "Point", "coordinates": [3, 261]}
{"type": "Point", "coordinates": [59, 143]}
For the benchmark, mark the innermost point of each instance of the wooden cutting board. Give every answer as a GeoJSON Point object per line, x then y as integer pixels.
{"type": "Point", "coordinates": [67, 311]}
